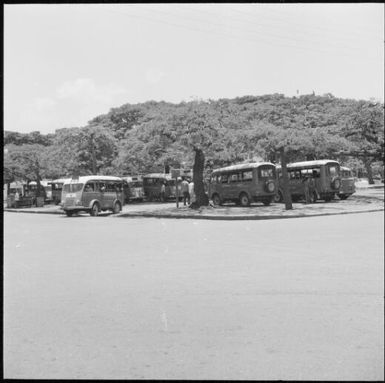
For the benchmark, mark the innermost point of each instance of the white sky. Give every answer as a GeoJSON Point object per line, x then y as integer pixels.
{"type": "Point", "coordinates": [65, 63]}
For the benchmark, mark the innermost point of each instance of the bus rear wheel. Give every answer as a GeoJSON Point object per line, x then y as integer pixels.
{"type": "Point", "coordinates": [94, 210]}
{"type": "Point", "coordinates": [278, 197]}
{"type": "Point", "coordinates": [343, 196]}
{"type": "Point", "coordinates": [69, 213]}
{"type": "Point", "coordinates": [244, 199]}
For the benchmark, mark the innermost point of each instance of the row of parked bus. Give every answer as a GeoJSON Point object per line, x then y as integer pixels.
{"type": "Point", "coordinates": [242, 183]}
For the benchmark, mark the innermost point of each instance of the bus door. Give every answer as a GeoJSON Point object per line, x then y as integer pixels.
{"type": "Point", "coordinates": [316, 174]}
{"type": "Point", "coordinates": [111, 193]}
{"type": "Point", "coordinates": [235, 184]}
{"type": "Point", "coordinates": [225, 186]}
{"type": "Point", "coordinates": [101, 188]}
{"type": "Point", "coordinates": [90, 193]}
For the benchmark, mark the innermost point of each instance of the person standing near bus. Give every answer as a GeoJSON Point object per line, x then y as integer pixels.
{"type": "Point", "coordinates": [312, 190]}
{"type": "Point", "coordinates": [163, 192]}
{"type": "Point", "coordinates": [306, 183]}
{"type": "Point", "coordinates": [17, 198]}
{"type": "Point", "coordinates": [185, 191]}
{"type": "Point", "coordinates": [191, 192]}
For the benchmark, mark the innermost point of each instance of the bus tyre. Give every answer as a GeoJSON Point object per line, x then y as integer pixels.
{"type": "Point", "coordinates": [266, 202]}
{"type": "Point", "coordinates": [336, 183]}
{"type": "Point", "coordinates": [94, 210]}
{"type": "Point", "coordinates": [244, 199]}
{"type": "Point", "coordinates": [117, 208]}
{"type": "Point", "coordinates": [328, 199]}
{"type": "Point", "coordinates": [343, 196]}
{"type": "Point", "coordinates": [278, 197]}
{"type": "Point", "coordinates": [216, 200]}
{"type": "Point", "coordinates": [270, 187]}
{"type": "Point", "coordinates": [69, 213]}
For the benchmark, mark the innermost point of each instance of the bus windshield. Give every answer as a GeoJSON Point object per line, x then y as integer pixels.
{"type": "Point", "coordinates": [333, 169]}
{"type": "Point", "coordinates": [72, 188]}
{"type": "Point", "coordinates": [266, 172]}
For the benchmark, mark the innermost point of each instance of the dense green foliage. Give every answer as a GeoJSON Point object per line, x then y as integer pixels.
{"type": "Point", "coordinates": [145, 137]}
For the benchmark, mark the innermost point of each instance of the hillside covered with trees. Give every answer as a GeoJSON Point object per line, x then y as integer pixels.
{"type": "Point", "coordinates": [146, 137]}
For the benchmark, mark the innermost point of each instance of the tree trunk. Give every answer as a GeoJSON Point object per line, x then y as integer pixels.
{"type": "Point", "coordinates": [39, 187]}
{"type": "Point", "coordinates": [199, 190]}
{"type": "Point", "coordinates": [369, 171]}
{"type": "Point", "coordinates": [285, 178]}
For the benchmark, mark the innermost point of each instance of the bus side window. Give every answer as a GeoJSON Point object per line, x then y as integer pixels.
{"type": "Point", "coordinates": [224, 178]}
{"type": "Point", "coordinates": [247, 176]}
{"type": "Point", "coordinates": [234, 177]}
{"type": "Point", "coordinates": [89, 187]}
{"type": "Point", "coordinates": [333, 170]}
{"type": "Point", "coordinates": [118, 187]}
{"type": "Point", "coordinates": [316, 173]}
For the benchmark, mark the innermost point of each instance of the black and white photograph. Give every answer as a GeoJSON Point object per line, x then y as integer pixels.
{"type": "Point", "coordinates": [193, 191]}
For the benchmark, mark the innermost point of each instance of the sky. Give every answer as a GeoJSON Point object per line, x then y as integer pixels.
{"type": "Point", "coordinates": [65, 64]}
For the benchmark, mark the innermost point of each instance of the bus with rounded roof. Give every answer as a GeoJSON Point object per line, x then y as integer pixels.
{"type": "Point", "coordinates": [152, 184]}
{"type": "Point", "coordinates": [244, 183]}
{"type": "Point", "coordinates": [92, 194]}
{"type": "Point", "coordinates": [57, 187]}
{"type": "Point", "coordinates": [135, 191]}
{"type": "Point", "coordinates": [324, 173]}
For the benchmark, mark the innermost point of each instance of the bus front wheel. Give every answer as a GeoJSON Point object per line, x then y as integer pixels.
{"type": "Point", "coordinates": [244, 199]}
{"type": "Point", "coordinates": [69, 213]}
{"type": "Point", "coordinates": [94, 210]}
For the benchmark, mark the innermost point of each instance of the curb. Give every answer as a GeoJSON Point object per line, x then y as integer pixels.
{"type": "Point", "coordinates": [31, 211]}
{"type": "Point", "coordinates": [240, 217]}
{"type": "Point", "coordinates": [207, 217]}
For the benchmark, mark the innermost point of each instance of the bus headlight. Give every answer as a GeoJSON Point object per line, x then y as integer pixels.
{"type": "Point", "coordinates": [78, 202]}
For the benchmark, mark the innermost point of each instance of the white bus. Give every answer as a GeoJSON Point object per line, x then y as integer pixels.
{"type": "Point", "coordinates": [92, 194]}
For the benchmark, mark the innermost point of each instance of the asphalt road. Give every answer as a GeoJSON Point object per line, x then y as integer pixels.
{"type": "Point", "coordinates": [113, 298]}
